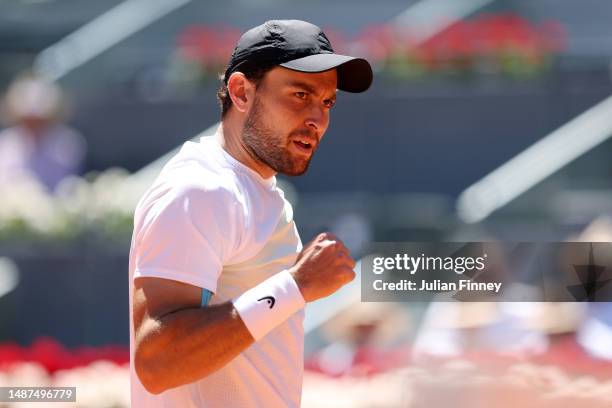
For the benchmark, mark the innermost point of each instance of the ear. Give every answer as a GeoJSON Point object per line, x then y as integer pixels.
{"type": "Point", "coordinates": [241, 91]}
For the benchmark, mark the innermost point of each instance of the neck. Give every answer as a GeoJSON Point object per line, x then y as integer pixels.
{"type": "Point", "coordinates": [229, 137]}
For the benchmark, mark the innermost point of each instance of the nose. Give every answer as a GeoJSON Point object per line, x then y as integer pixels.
{"type": "Point", "coordinates": [317, 119]}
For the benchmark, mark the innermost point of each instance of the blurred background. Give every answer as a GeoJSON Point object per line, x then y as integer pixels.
{"type": "Point", "coordinates": [487, 120]}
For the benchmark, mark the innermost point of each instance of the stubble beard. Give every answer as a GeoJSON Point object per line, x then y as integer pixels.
{"type": "Point", "coordinates": [270, 147]}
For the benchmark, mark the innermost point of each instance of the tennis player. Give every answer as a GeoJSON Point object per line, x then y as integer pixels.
{"type": "Point", "coordinates": [218, 275]}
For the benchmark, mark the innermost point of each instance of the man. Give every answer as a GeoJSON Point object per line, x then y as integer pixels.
{"type": "Point", "coordinates": [38, 146]}
{"type": "Point", "coordinates": [218, 275]}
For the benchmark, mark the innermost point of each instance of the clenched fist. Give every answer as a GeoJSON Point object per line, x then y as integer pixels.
{"type": "Point", "coordinates": [323, 267]}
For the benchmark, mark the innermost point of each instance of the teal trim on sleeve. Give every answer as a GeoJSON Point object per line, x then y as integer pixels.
{"type": "Point", "coordinates": [206, 295]}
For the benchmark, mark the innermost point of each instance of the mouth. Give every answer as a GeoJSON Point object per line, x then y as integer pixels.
{"type": "Point", "coordinates": [303, 146]}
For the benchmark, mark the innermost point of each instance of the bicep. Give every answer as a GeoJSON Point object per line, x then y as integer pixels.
{"type": "Point", "coordinates": [157, 297]}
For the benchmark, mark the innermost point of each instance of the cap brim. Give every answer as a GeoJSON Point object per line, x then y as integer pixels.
{"type": "Point", "coordinates": [354, 74]}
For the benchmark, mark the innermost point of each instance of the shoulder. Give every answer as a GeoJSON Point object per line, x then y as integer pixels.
{"type": "Point", "coordinates": [190, 193]}
{"type": "Point", "coordinates": [193, 186]}
{"type": "Point", "coordinates": [193, 172]}
{"type": "Point", "coordinates": [190, 208]}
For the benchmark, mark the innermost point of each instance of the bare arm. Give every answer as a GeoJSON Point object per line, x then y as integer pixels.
{"type": "Point", "coordinates": [176, 341]}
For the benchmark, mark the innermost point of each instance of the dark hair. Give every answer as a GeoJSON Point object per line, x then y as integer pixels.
{"type": "Point", "coordinates": [255, 76]}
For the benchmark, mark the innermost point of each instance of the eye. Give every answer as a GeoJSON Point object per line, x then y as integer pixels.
{"type": "Point", "coordinates": [301, 95]}
{"type": "Point", "coordinates": [328, 103]}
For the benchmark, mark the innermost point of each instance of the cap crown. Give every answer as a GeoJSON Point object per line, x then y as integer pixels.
{"type": "Point", "coordinates": [276, 42]}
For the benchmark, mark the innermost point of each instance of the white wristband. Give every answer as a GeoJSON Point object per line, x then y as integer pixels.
{"type": "Point", "coordinates": [270, 303]}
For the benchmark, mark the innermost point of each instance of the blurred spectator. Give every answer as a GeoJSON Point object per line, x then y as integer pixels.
{"type": "Point", "coordinates": [38, 144]}
{"type": "Point", "coordinates": [512, 329]}
{"type": "Point", "coordinates": [452, 329]}
{"type": "Point", "coordinates": [365, 339]}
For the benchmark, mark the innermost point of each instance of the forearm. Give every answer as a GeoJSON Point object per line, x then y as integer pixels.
{"type": "Point", "coordinates": [186, 345]}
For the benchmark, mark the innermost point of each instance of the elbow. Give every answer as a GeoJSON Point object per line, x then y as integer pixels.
{"type": "Point", "coordinates": [147, 374]}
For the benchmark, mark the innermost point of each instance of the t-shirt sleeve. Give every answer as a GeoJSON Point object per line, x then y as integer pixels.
{"type": "Point", "coordinates": [187, 235]}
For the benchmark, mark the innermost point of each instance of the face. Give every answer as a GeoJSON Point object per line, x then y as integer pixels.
{"type": "Point", "coordinates": [35, 124]}
{"type": "Point", "coordinates": [289, 115]}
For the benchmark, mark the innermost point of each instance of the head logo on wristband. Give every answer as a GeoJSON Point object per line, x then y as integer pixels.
{"type": "Point", "coordinates": [269, 299]}
{"type": "Point", "coordinates": [282, 296]}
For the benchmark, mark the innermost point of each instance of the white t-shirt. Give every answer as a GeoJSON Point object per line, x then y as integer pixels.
{"type": "Point", "coordinates": [212, 222]}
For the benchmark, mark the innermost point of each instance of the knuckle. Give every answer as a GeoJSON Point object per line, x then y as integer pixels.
{"type": "Point", "coordinates": [323, 236]}
{"type": "Point", "coordinates": [346, 272]}
{"type": "Point", "coordinates": [331, 236]}
{"type": "Point", "coordinates": [347, 275]}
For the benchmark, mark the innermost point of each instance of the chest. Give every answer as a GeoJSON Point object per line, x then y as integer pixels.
{"type": "Point", "coordinates": [265, 252]}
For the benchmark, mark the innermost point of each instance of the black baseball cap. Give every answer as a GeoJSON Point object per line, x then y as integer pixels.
{"type": "Point", "coordinates": [300, 46]}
